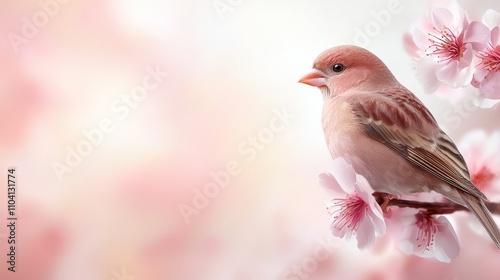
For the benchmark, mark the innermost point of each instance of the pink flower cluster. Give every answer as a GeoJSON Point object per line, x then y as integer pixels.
{"type": "Point", "coordinates": [355, 213]}
{"type": "Point", "coordinates": [456, 52]}
{"type": "Point", "coordinates": [358, 214]}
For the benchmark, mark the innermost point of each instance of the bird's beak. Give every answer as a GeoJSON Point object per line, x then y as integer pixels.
{"type": "Point", "coordinates": [314, 78]}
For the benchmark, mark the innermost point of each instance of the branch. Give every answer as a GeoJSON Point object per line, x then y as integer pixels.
{"type": "Point", "coordinates": [385, 200]}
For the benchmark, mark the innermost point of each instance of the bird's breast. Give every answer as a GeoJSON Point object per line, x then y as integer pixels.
{"type": "Point", "coordinates": [341, 128]}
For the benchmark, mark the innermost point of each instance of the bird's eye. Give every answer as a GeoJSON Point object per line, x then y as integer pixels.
{"type": "Point", "coordinates": [338, 67]}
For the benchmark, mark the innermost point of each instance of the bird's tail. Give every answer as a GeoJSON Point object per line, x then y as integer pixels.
{"type": "Point", "coordinates": [476, 205]}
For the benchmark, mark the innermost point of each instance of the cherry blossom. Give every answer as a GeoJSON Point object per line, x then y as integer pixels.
{"type": "Point", "coordinates": [480, 151]}
{"type": "Point", "coordinates": [357, 213]}
{"type": "Point", "coordinates": [487, 75]}
{"type": "Point", "coordinates": [443, 91]}
{"type": "Point", "coordinates": [427, 236]}
{"type": "Point", "coordinates": [450, 47]}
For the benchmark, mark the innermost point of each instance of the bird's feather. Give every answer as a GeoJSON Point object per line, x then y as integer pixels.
{"type": "Point", "coordinates": [483, 215]}
{"type": "Point", "coordinates": [398, 120]}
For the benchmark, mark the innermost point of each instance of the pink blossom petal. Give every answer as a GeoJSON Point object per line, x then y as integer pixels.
{"type": "Point", "coordinates": [408, 245]}
{"type": "Point", "coordinates": [373, 223]}
{"type": "Point", "coordinates": [475, 82]}
{"type": "Point", "coordinates": [426, 74]}
{"type": "Point", "coordinates": [490, 87]}
{"type": "Point", "coordinates": [411, 48]}
{"type": "Point", "coordinates": [342, 179]}
{"type": "Point", "coordinates": [454, 76]}
{"type": "Point", "coordinates": [463, 77]}
{"type": "Point", "coordinates": [420, 38]}
{"type": "Point", "coordinates": [365, 233]}
{"type": "Point", "coordinates": [491, 18]}
{"type": "Point", "coordinates": [406, 216]}
{"type": "Point", "coordinates": [459, 17]}
{"type": "Point", "coordinates": [478, 35]}
{"type": "Point", "coordinates": [467, 58]}
{"type": "Point", "coordinates": [479, 76]}
{"type": "Point", "coordinates": [375, 211]}
{"type": "Point", "coordinates": [441, 18]}
{"type": "Point", "coordinates": [362, 187]}
{"type": "Point", "coordinates": [344, 174]}
{"type": "Point", "coordinates": [446, 246]}
{"type": "Point", "coordinates": [330, 185]}
{"type": "Point", "coordinates": [447, 72]}
{"type": "Point", "coordinates": [420, 32]}
{"type": "Point", "coordinates": [495, 32]}
{"type": "Point", "coordinates": [377, 219]}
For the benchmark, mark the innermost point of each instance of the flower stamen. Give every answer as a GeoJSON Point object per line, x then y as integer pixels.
{"type": "Point", "coordinates": [445, 45]}
{"type": "Point", "coordinates": [427, 229]}
{"type": "Point", "coordinates": [490, 58]}
{"type": "Point", "coordinates": [348, 212]}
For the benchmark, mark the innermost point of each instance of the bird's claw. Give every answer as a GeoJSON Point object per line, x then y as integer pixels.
{"type": "Point", "coordinates": [383, 200]}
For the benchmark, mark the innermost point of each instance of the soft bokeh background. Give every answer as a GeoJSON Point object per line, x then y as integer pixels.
{"type": "Point", "coordinates": [232, 64]}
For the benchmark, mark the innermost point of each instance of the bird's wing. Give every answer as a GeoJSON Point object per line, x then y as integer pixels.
{"type": "Point", "coordinates": [400, 121]}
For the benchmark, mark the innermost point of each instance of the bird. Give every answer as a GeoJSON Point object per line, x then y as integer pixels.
{"type": "Point", "coordinates": [387, 134]}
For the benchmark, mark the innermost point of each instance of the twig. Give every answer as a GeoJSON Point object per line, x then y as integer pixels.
{"type": "Point", "coordinates": [435, 207]}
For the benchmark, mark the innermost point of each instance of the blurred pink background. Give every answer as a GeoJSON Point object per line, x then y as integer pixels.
{"type": "Point", "coordinates": [229, 103]}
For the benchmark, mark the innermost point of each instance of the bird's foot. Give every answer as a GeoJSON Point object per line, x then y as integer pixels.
{"type": "Point", "coordinates": [383, 200]}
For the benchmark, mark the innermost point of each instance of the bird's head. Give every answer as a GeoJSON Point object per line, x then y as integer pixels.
{"type": "Point", "coordinates": [342, 68]}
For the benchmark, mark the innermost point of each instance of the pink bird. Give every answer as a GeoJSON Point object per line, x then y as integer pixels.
{"type": "Point", "coordinates": [387, 134]}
